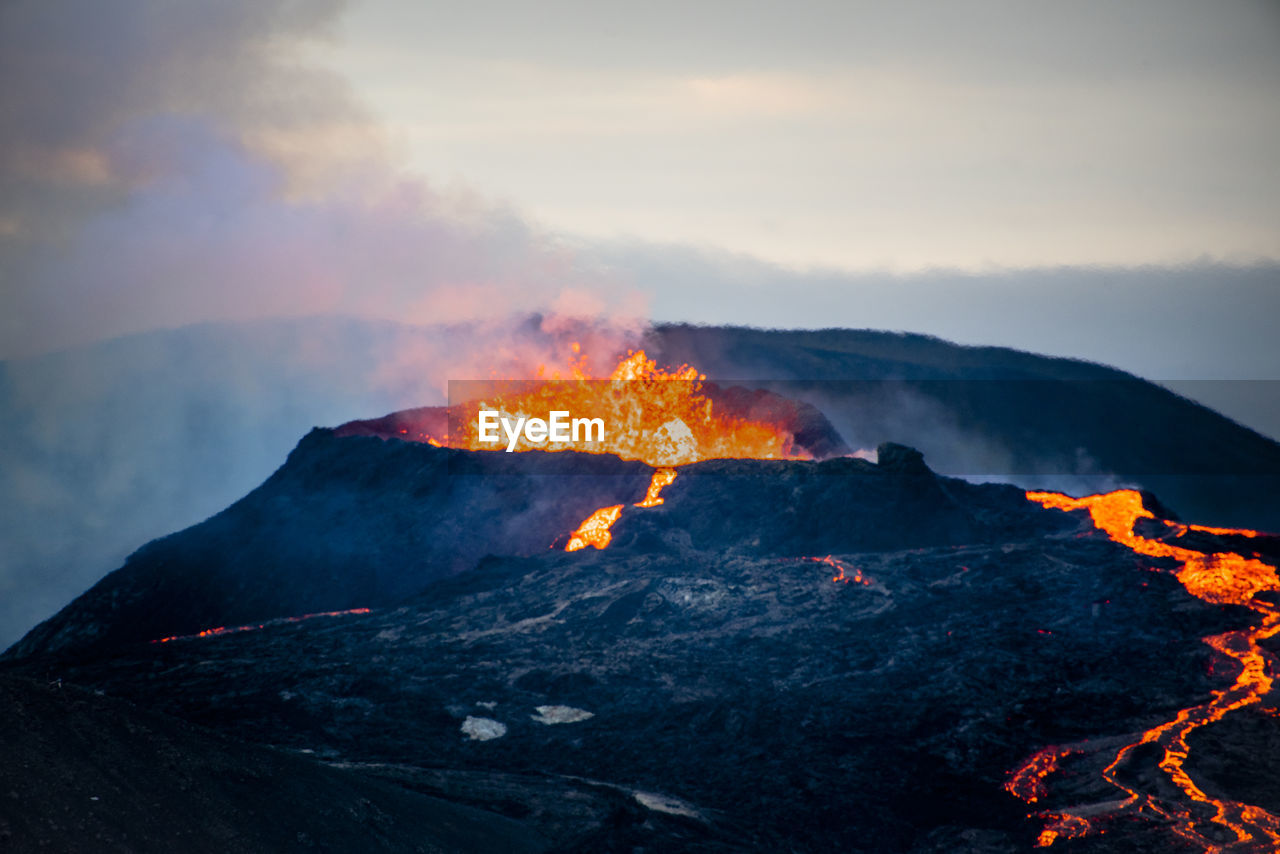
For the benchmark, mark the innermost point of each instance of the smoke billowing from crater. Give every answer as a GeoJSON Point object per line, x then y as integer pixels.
{"type": "Point", "coordinates": [162, 164]}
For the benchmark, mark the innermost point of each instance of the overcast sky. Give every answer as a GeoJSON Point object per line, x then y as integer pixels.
{"type": "Point", "coordinates": [899, 135]}
{"type": "Point", "coordinates": [1092, 179]}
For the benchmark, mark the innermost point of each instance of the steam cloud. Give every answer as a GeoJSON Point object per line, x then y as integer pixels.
{"type": "Point", "coordinates": [166, 163]}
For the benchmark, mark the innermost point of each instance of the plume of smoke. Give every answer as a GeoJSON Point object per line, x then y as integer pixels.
{"type": "Point", "coordinates": [105, 447]}
{"type": "Point", "coordinates": [165, 163]}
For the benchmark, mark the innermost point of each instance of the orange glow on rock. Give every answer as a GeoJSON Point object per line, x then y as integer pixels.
{"type": "Point", "coordinates": [1027, 783]}
{"type": "Point", "coordinates": [594, 531]}
{"type": "Point", "coordinates": [218, 631]}
{"type": "Point", "coordinates": [661, 478]}
{"type": "Point", "coordinates": [1062, 827]}
{"type": "Point", "coordinates": [1222, 578]}
{"type": "Point", "coordinates": [844, 572]}
{"type": "Point", "coordinates": [655, 415]}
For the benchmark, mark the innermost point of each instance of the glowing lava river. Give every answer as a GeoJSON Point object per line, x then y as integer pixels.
{"type": "Point", "coordinates": [1222, 578]}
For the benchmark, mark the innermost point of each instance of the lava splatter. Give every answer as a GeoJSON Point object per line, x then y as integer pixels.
{"type": "Point", "coordinates": [657, 415]}
{"type": "Point", "coordinates": [661, 479]}
{"type": "Point", "coordinates": [594, 531]}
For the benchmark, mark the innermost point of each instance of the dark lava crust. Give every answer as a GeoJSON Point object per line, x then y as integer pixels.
{"type": "Point", "coordinates": [739, 698]}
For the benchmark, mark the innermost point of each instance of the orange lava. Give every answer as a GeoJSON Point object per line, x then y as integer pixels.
{"type": "Point", "coordinates": [661, 478]}
{"type": "Point", "coordinates": [595, 530]}
{"type": "Point", "coordinates": [844, 572]}
{"type": "Point", "coordinates": [1220, 578]}
{"type": "Point", "coordinates": [230, 630]}
{"type": "Point", "coordinates": [651, 414]}
{"type": "Point", "coordinates": [1027, 783]}
{"type": "Point", "coordinates": [1061, 827]}
{"type": "Point", "coordinates": [656, 415]}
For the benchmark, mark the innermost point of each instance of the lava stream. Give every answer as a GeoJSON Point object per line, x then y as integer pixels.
{"type": "Point", "coordinates": [231, 630]}
{"type": "Point", "coordinates": [594, 530]}
{"type": "Point", "coordinates": [661, 479]}
{"type": "Point", "coordinates": [1220, 578]}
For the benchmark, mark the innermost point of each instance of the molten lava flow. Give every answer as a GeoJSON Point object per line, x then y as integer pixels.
{"type": "Point", "coordinates": [844, 572]}
{"type": "Point", "coordinates": [1062, 826]}
{"type": "Point", "coordinates": [231, 630]}
{"type": "Point", "coordinates": [1027, 783]}
{"type": "Point", "coordinates": [1221, 578]}
{"type": "Point", "coordinates": [661, 478]}
{"type": "Point", "coordinates": [595, 530]}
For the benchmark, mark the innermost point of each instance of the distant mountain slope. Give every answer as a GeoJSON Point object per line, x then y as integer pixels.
{"type": "Point", "coordinates": [1004, 414]}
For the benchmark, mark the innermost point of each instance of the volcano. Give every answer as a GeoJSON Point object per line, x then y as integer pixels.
{"type": "Point", "coordinates": [806, 653]}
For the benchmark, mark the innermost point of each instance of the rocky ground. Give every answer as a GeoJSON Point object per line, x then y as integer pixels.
{"type": "Point", "coordinates": [86, 773]}
{"type": "Point", "coordinates": [783, 656]}
{"type": "Point", "coordinates": [704, 684]}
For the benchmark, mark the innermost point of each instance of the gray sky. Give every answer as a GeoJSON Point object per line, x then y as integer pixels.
{"type": "Point", "coordinates": [897, 136]}
{"type": "Point", "coordinates": [1092, 179]}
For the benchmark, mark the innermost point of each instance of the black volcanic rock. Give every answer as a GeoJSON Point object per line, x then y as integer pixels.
{"type": "Point", "coordinates": [899, 458]}
{"type": "Point", "coordinates": [782, 656]}
{"type": "Point", "coordinates": [89, 773]}
{"type": "Point", "coordinates": [736, 702]}
{"type": "Point", "coordinates": [344, 523]}
{"type": "Point", "coordinates": [351, 522]}
{"type": "Point", "coordinates": [769, 507]}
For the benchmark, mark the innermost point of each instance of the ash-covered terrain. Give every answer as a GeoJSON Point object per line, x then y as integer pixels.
{"type": "Point", "coordinates": [782, 656]}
